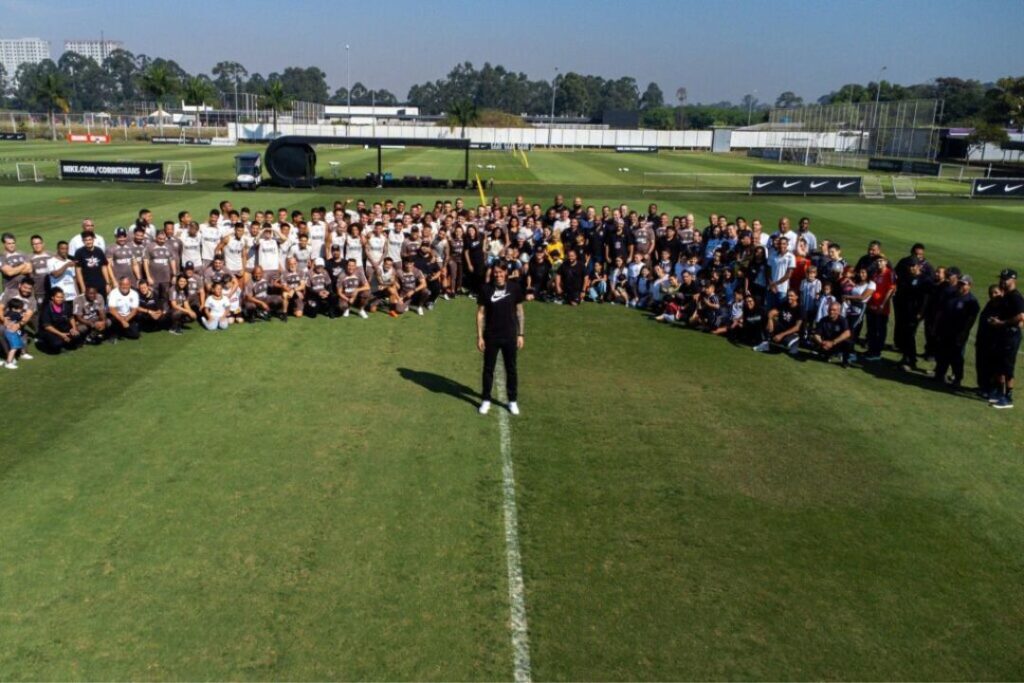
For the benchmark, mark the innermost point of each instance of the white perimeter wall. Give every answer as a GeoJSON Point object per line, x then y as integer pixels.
{"type": "Point", "coordinates": [564, 137]}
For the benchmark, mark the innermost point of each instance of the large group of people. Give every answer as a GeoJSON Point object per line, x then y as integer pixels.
{"type": "Point", "coordinates": [774, 290]}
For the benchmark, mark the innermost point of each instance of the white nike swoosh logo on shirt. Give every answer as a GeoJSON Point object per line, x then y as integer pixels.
{"type": "Point", "coordinates": [496, 297]}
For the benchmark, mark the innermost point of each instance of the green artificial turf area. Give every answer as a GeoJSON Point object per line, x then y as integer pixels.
{"type": "Point", "coordinates": [320, 500]}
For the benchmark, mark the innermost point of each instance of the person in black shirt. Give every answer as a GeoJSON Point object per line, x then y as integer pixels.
{"type": "Point", "coordinates": [571, 280]}
{"type": "Point", "coordinates": [959, 311]}
{"type": "Point", "coordinates": [784, 326]}
{"type": "Point", "coordinates": [912, 286]}
{"type": "Point", "coordinates": [426, 263]}
{"type": "Point", "coordinates": [152, 308]}
{"type": "Point", "coordinates": [832, 335]}
{"type": "Point", "coordinates": [538, 276]}
{"type": "Point", "coordinates": [91, 265]}
{"type": "Point", "coordinates": [1006, 324]}
{"type": "Point", "coordinates": [58, 329]}
{"type": "Point", "coordinates": [868, 260]}
{"type": "Point", "coordinates": [500, 327]}
{"type": "Point", "coordinates": [984, 343]}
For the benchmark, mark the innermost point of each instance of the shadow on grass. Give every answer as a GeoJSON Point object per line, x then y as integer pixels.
{"type": "Point", "coordinates": [441, 385]}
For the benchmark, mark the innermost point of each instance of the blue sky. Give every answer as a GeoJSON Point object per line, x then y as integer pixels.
{"type": "Point", "coordinates": [717, 50]}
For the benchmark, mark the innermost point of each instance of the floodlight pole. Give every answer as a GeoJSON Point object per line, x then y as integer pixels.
{"type": "Point", "coordinates": [236, 106]}
{"type": "Point", "coordinates": [878, 93]}
{"type": "Point", "coordinates": [551, 119]}
{"type": "Point", "coordinates": [348, 71]}
{"type": "Point", "coordinates": [750, 105]}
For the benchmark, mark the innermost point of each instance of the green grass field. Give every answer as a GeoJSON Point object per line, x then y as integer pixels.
{"type": "Point", "coordinates": [320, 500]}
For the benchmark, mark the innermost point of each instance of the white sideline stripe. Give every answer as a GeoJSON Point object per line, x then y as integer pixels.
{"type": "Point", "coordinates": [516, 591]}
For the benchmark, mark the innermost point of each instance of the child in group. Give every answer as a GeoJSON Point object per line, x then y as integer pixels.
{"type": "Point", "coordinates": [598, 290]}
{"type": "Point", "coordinates": [13, 320]}
{"type": "Point", "coordinates": [810, 289]}
{"type": "Point", "coordinates": [732, 323]}
{"type": "Point", "coordinates": [824, 300]}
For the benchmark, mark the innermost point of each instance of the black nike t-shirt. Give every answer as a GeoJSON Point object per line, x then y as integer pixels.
{"type": "Point", "coordinates": [1010, 306]}
{"type": "Point", "coordinates": [500, 309]}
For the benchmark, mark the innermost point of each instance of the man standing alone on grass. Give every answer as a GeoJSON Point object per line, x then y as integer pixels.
{"type": "Point", "coordinates": [500, 326]}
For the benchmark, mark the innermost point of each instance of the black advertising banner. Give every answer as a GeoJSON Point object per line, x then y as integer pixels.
{"type": "Point", "coordinates": [904, 166]}
{"type": "Point", "coordinates": [998, 188]}
{"type": "Point", "coordinates": [132, 171]}
{"type": "Point", "coordinates": [805, 184]}
{"type": "Point", "coordinates": [11, 137]}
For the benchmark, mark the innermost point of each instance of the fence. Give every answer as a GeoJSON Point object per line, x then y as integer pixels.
{"type": "Point", "coordinates": [534, 137]}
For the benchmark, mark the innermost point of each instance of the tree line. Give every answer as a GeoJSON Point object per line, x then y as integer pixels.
{"type": "Point", "coordinates": [79, 83]}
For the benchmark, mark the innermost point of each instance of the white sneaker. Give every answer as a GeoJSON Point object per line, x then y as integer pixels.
{"type": "Point", "coordinates": [484, 408]}
{"type": "Point", "coordinates": [362, 314]}
{"type": "Point", "coordinates": [13, 365]}
{"type": "Point", "coordinates": [26, 356]}
{"type": "Point", "coordinates": [419, 310]}
{"type": "Point", "coordinates": [762, 347]}
{"type": "Point", "coordinates": [446, 297]}
{"type": "Point", "coordinates": [345, 314]}
{"type": "Point", "coordinates": [513, 407]}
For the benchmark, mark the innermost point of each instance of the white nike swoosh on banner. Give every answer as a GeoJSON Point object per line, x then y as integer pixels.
{"type": "Point", "coordinates": [815, 186]}
{"type": "Point", "coordinates": [151, 171]}
{"type": "Point", "coordinates": [766, 183]}
{"type": "Point", "coordinates": [983, 188]}
{"type": "Point", "coordinates": [1011, 188]}
{"type": "Point", "coordinates": [840, 186]}
{"type": "Point", "coordinates": [786, 185]}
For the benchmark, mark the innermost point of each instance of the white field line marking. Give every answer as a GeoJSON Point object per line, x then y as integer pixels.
{"type": "Point", "coordinates": [516, 591]}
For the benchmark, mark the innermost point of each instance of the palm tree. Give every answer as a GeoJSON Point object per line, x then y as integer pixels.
{"type": "Point", "coordinates": [275, 98]}
{"type": "Point", "coordinates": [198, 91]}
{"type": "Point", "coordinates": [51, 91]}
{"type": "Point", "coordinates": [158, 81]}
{"type": "Point", "coordinates": [463, 113]}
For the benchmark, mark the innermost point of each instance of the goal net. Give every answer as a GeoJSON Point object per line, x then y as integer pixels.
{"type": "Point", "coordinates": [903, 187]}
{"type": "Point", "coordinates": [178, 173]}
{"type": "Point", "coordinates": [28, 173]}
{"type": "Point", "coordinates": [871, 187]}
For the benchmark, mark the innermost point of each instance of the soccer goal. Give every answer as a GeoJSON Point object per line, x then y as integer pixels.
{"type": "Point", "coordinates": [179, 173]}
{"type": "Point", "coordinates": [28, 173]}
{"type": "Point", "coordinates": [903, 187]}
{"type": "Point", "coordinates": [871, 187]}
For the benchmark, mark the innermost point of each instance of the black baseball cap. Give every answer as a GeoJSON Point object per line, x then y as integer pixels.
{"type": "Point", "coordinates": [1008, 274]}
{"type": "Point", "coordinates": [189, 264]}
{"type": "Point", "coordinates": [120, 232]}
{"type": "Point", "coordinates": [952, 270]}
{"type": "Point", "coordinates": [335, 247]}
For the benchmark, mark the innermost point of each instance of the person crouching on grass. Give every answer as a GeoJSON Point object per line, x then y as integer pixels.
{"type": "Point", "coordinates": [13, 339]}
{"type": "Point", "coordinates": [783, 327]}
{"type": "Point", "coordinates": [217, 311]}
{"type": "Point", "coordinates": [832, 336]}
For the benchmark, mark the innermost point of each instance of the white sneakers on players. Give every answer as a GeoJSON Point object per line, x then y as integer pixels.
{"type": "Point", "coordinates": [345, 314]}
{"type": "Point", "coordinates": [419, 310]}
{"type": "Point", "coordinates": [513, 407]}
{"type": "Point", "coordinates": [484, 408]}
{"type": "Point", "coordinates": [362, 314]}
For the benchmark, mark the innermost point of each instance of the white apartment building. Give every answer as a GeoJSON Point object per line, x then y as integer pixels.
{"type": "Point", "coordinates": [97, 49]}
{"type": "Point", "coordinates": [17, 51]}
